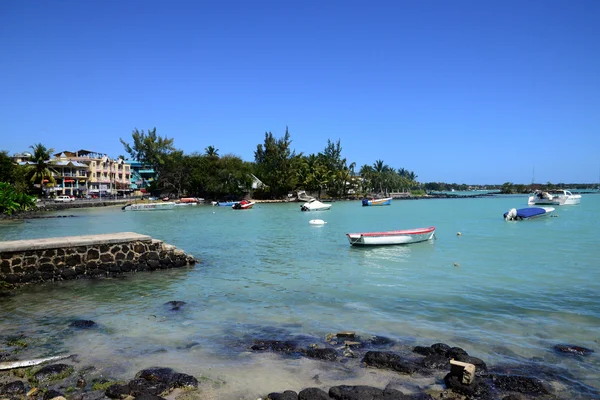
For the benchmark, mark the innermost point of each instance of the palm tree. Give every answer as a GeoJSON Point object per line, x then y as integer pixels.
{"type": "Point", "coordinates": [41, 168]}
{"type": "Point", "coordinates": [211, 151]}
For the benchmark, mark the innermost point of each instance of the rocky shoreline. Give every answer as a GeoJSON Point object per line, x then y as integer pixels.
{"type": "Point", "coordinates": [70, 379]}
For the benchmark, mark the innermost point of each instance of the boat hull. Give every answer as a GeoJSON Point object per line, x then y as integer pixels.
{"type": "Point", "coordinates": [527, 213]}
{"type": "Point", "coordinates": [377, 202]}
{"type": "Point", "coordinates": [391, 237]}
{"type": "Point", "coordinates": [315, 205]}
{"type": "Point", "coordinates": [149, 206]}
{"type": "Point", "coordinates": [243, 205]}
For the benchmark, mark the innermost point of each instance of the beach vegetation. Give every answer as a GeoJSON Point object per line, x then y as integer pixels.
{"type": "Point", "coordinates": [11, 200]}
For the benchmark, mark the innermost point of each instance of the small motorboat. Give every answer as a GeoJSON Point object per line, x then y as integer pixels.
{"type": "Point", "coordinates": [148, 206]}
{"type": "Point", "coordinates": [377, 202]}
{"type": "Point", "coordinates": [317, 222]}
{"type": "Point", "coordinates": [556, 197]}
{"type": "Point", "coordinates": [314, 205]}
{"type": "Point", "coordinates": [243, 205]}
{"type": "Point", "coordinates": [391, 237]}
{"type": "Point", "coordinates": [527, 213]}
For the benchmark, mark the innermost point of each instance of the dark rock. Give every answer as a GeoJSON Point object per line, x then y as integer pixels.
{"type": "Point", "coordinates": [424, 351]}
{"type": "Point", "coordinates": [141, 386]}
{"type": "Point", "coordinates": [572, 349]}
{"type": "Point", "coordinates": [455, 352]}
{"type": "Point", "coordinates": [345, 392]}
{"type": "Point", "coordinates": [313, 394]}
{"type": "Point", "coordinates": [322, 354]}
{"type": "Point", "coordinates": [287, 395]}
{"type": "Point", "coordinates": [146, 396]}
{"type": "Point", "coordinates": [521, 384]}
{"type": "Point", "coordinates": [185, 381]}
{"type": "Point", "coordinates": [52, 372]}
{"type": "Point", "coordinates": [82, 324]}
{"type": "Point", "coordinates": [175, 305]}
{"type": "Point", "coordinates": [380, 341]}
{"type": "Point", "coordinates": [389, 360]}
{"type": "Point", "coordinates": [440, 348]}
{"type": "Point", "coordinates": [436, 361]}
{"type": "Point", "coordinates": [116, 391]}
{"type": "Point", "coordinates": [13, 388]}
{"type": "Point", "coordinates": [477, 389]}
{"type": "Point", "coordinates": [50, 394]}
{"type": "Point", "coordinates": [274, 345]}
{"type": "Point", "coordinates": [157, 374]}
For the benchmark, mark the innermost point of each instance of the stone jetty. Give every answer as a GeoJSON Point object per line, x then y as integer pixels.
{"type": "Point", "coordinates": [91, 256]}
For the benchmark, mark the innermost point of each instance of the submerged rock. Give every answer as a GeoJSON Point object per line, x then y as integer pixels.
{"type": "Point", "coordinates": [82, 324]}
{"type": "Point", "coordinates": [521, 384]}
{"type": "Point", "coordinates": [388, 360]}
{"type": "Point", "coordinates": [572, 349]}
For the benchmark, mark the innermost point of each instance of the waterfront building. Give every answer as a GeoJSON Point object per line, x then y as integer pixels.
{"type": "Point", "coordinates": [142, 177]}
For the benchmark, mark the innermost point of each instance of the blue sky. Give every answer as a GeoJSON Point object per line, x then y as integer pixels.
{"type": "Point", "coordinates": [458, 91]}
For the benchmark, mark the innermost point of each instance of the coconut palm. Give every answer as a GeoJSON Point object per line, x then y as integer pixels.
{"type": "Point", "coordinates": [211, 151]}
{"type": "Point", "coordinates": [41, 168]}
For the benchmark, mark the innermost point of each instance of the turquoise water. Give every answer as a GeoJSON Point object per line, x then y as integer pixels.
{"type": "Point", "coordinates": [506, 292]}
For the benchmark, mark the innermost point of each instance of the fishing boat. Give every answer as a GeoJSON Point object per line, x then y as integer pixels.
{"type": "Point", "coordinates": [527, 213]}
{"type": "Point", "coordinates": [377, 202]}
{"type": "Point", "coordinates": [243, 205]}
{"type": "Point", "coordinates": [555, 197]}
{"type": "Point", "coordinates": [167, 205]}
{"type": "Point", "coordinates": [314, 205]}
{"type": "Point", "coordinates": [391, 237]}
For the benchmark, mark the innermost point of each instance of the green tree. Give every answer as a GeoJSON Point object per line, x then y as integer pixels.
{"type": "Point", "coordinates": [7, 167]}
{"type": "Point", "coordinates": [277, 164]}
{"type": "Point", "coordinates": [12, 201]}
{"type": "Point", "coordinates": [149, 148]}
{"type": "Point", "coordinates": [211, 151]}
{"type": "Point", "coordinates": [507, 188]}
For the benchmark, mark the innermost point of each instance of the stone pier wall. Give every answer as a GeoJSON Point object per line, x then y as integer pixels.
{"type": "Point", "coordinates": [93, 256]}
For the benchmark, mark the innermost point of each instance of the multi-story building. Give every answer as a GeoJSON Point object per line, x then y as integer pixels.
{"type": "Point", "coordinates": [141, 176]}
{"type": "Point", "coordinates": [86, 172]}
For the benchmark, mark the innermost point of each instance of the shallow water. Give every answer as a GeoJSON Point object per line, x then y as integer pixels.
{"type": "Point", "coordinates": [506, 292]}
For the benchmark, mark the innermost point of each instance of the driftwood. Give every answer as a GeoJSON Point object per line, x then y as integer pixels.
{"type": "Point", "coordinates": [29, 363]}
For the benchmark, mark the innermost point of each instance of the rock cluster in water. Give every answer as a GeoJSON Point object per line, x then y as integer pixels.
{"type": "Point", "coordinates": [70, 380]}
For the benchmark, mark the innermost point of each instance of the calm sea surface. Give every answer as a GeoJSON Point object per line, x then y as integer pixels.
{"type": "Point", "coordinates": [506, 292]}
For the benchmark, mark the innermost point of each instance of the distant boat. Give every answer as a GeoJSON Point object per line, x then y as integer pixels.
{"type": "Point", "coordinates": [391, 237]}
{"type": "Point", "coordinates": [148, 206]}
{"type": "Point", "coordinates": [314, 205]}
{"type": "Point", "coordinates": [243, 205]}
{"type": "Point", "coordinates": [555, 197]}
{"type": "Point", "coordinates": [226, 203]}
{"type": "Point", "coordinates": [377, 202]}
{"type": "Point", "coordinates": [527, 213]}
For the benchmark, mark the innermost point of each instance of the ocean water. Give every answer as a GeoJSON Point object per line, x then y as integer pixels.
{"type": "Point", "coordinates": [506, 292]}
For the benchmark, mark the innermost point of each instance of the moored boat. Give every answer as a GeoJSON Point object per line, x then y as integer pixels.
{"type": "Point", "coordinates": [226, 203]}
{"type": "Point", "coordinates": [391, 237]}
{"type": "Point", "coordinates": [167, 205]}
{"type": "Point", "coordinates": [555, 197]}
{"type": "Point", "coordinates": [377, 202]}
{"type": "Point", "coordinates": [527, 213]}
{"type": "Point", "coordinates": [243, 205]}
{"type": "Point", "coordinates": [315, 205]}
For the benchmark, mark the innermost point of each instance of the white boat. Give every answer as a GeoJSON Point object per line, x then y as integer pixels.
{"type": "Point", "coordinates": [555, 197]}
{"type": "Point", "coordinates": [391, 237]}
{"type": "Point", "coordinates": [314, 205]}
{"type": "Point", "coordinates": [527, 213]}
{"type": "Point", "coordinates": [167, 205]}
{"type": "Point", "coordinates": [185, 204]}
